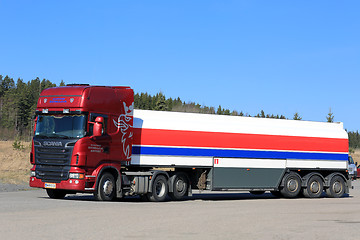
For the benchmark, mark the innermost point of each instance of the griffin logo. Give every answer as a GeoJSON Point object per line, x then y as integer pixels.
{"type": "Point", "coordinates": [124, 124]}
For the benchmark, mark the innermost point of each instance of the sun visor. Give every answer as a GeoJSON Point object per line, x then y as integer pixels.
{"type": "Point", "coordinates": [60, 101]}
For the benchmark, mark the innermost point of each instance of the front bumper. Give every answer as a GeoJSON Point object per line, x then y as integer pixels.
{"type": "Point", "coordinates": [77, 185]}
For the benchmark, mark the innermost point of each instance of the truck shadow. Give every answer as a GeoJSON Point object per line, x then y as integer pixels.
{"type": "Point", "coordinates": [194, 197]}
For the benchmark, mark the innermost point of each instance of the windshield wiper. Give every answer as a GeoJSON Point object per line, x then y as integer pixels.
{"type": "Point", "coordinates": [56, 135]}
{"type": "Point", "coordinates": [52, 135]}
{"type": "Point", "coordinates": [42, 136]}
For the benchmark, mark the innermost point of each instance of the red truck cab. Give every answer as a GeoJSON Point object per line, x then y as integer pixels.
{"type": "Point", "coordinates": [79, 132]}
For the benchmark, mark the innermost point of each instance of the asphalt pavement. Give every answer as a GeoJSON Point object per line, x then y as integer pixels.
{"type": "Point", "coordinates": [32, 215]}
{"type": "Point", "coordinates": [8, 187]}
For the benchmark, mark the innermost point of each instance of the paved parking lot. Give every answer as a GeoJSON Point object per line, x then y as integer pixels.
{"type": "Point", "coordinates": [32, 215]}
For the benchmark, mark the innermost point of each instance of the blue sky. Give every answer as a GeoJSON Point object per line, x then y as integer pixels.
{"type": "Point", "coordinates": [278, 56]}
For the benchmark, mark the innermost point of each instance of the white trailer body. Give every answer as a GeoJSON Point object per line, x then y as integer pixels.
{"type": "Point", "coordinates": [239, 152]}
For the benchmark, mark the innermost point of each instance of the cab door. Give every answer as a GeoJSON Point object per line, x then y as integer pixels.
{"type": "Point", "coordinates": [98, 147]}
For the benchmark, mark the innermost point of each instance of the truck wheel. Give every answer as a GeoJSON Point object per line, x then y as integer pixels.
{"type": "Point", "coordinates": [106, 188]}
{"type": "Point", "coordinates": [292, 185]}
{"type": "Point", "coordinates": [336, 188]}
{"type": "Point", "coordinates": [180, 187]}
{"type": "Point", "coordinates": [56, 193]}
{"type": "Point", "coordinates": [159, 189]}
{"type": "Point", "coordinates": [314, 188]}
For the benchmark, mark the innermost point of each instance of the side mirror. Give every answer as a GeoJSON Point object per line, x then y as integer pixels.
{"type": "Point", "coordinates": [98, 126]}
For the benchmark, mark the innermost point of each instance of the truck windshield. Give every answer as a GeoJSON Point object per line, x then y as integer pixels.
{"type": "Point", "coordinates": [60, 126]}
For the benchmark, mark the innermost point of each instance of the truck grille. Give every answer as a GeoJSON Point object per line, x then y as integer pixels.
{"type": "Point", "coordinates": [56, 156]}
{"type": "Point", "coordinates": [53, 163]}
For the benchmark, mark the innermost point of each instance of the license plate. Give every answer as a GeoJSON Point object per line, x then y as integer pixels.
{"type": "Point", "coordinates": [50, 185]}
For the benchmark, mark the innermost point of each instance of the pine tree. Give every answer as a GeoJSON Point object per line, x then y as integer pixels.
{"type": "Point", "coordinates": [160, 104]}
{"type": "Point", "coordinates": [226, 112]}
{"type": "Point", "coordinates": [219, 110]}
{"type": "Point", "coordinates": [297, 116]}
{"type": "Point", "coordinates": [330, 116]}
{"type": "Point", "coordinates": [262, 114]}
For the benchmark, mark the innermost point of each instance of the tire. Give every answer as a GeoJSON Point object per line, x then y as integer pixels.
{"type": "Point", "coordinates": [56, 193]}
{"type": "Point", "coordinates": [159, 189]}
{"type": "Point", "coordinates": [257, 192]}
{"type": "Point", "coordinates": [314, 187]}
{"type": "Point", "coordinates": [106, 188]}
{"type": "Point", "coordinates": [180, 187]}
{"type": "Point", "coordinates": [336, 188]}
{"type": "Point", "coordinates": [292, 185]}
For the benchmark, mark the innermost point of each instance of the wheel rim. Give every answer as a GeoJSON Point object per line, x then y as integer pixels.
{"type": "Point", "coordinates": [337, 187]}
{"type": "Point", "coordinates": [180, 185]}
{"type": "Point", "coordinates": [108, 187]}
{"type": "Point", "coordinates": [292, 185]}
{"type": "Point", "coordinates": [160, 188]}
{"type": "Point", "coordinates": [315, 187]}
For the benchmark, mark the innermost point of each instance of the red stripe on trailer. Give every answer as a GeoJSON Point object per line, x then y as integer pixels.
{"type": "Point", "coordinates": [180, 138]}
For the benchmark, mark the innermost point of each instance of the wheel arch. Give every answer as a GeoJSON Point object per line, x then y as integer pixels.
{"type": "Point", "coordinates": [153, 177]}
{"type": "Point", "coordinates": [328, 178]}
{"type": "Point", "coordinates": [172, 179]}
{"type": "Point", "coordinates": [115, 172]}
{"type": "Point", "coordinates": [282, 182]}
{"type": "Point", "coordinates": [305, 179]}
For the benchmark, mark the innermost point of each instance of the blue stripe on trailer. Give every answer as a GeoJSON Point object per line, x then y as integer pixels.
{"type": "Point", "coordinates": [200, 152]}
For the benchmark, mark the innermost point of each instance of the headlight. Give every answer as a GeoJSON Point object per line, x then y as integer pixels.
{"type": "Point", "coordinates": [32, 174]}
{"type": "Point", "coordinates": [76, 175]}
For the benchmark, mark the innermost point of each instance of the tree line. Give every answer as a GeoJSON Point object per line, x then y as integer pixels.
{"type": "Point", "coordinates": [161, 103]}
{"type": "Point", "coordinates": [354, 139]}
{"type": "Point", "coordinates": [18, 100]}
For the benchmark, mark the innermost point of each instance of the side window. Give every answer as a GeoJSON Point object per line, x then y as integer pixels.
{"type": "Point", "coordinates": [92, 118]}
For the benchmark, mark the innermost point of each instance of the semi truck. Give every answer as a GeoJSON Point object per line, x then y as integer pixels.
{"type": "Point", "coordinates": [90, 139]}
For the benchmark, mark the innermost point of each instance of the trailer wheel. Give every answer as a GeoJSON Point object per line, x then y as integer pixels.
{"type": "Point", "coordinates": [336, 188]}
{"type": "Point", "coordinates": [180, 187]}
{"type": "Point", "coordinates": [314, 187]}
{"type": "Point", "coordinates": [106, 188]}
{"type": "Point", "coordinates": [159, 189]}
{"type": "Point", "coordinates": [56, 193]}
{"type": "Point", "coordinates": [292, 185]}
